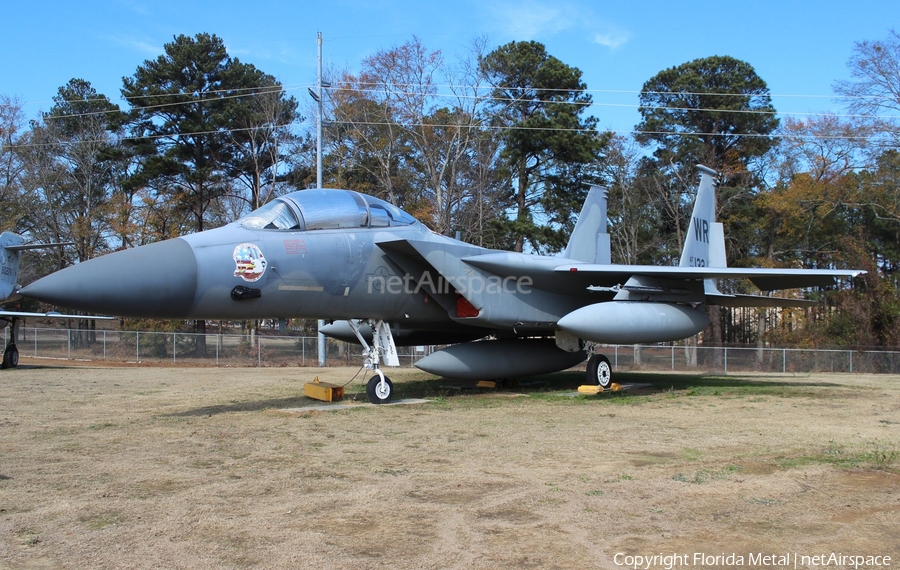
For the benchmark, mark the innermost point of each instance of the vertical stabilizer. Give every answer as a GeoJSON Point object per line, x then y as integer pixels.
{"type": "Point", "coordinates": [590, 240]}
{"type": "Point", "coordinates": [701, 234]}
{"type": "Point", "coordinates": [10, 256]}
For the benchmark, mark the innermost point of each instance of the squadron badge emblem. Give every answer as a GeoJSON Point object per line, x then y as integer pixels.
{"type": "Point", "coordinates": [250, 263]}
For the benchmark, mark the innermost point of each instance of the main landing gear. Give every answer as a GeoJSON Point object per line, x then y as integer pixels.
{"type": "Point", "coordinates": [379, 389]}
{"type": "Point", "coordinates": [599, 371]}
{"type": "Point", "coordinates": [11, 353]}
{"type": "Point", "coordinates": [10, 356]}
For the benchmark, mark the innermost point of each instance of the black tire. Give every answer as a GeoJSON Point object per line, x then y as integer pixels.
{"type": "Point", "coordinates": [599, 371]}
{"type": "Point", "coordinates": [11, 356]}
{"type": "Point", "coordinates": [378, 394]}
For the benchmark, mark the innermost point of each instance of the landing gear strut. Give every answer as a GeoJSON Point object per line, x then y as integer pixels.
{"type": "Point", "coordinates": [379, 389]}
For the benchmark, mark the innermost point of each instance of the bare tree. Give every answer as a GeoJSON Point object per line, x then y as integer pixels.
{"type": "Point", "coordinates": [412, 126]}
{"type": "Point", "coordinates": [262, 138]}
{"type": "Point", "coordinates": [825, 147]}
{"type": "Point", "coordinates": [12, 122]}
{"type": "Point", "coordinates": [367, 142]}
{"type": "Point", "coordinates": [632, 218]}
{"type": "Point", "coordinates": [874, 90]}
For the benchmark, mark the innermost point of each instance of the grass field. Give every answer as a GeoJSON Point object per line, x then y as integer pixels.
{"type": "Point", "coordinates": [155, 467]}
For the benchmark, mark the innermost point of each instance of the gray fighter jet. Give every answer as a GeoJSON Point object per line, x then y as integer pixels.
{"type": "Point", "coordinates": [383, 279]}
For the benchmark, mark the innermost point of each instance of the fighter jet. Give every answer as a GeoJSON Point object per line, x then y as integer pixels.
{"type": "Point", "coordinates": [11, 248]}
{"type": "Point", "coordinates": [383, 279]}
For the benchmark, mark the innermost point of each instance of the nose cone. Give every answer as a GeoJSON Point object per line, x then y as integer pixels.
{"type": "Point", "coordinates": [153, 281]}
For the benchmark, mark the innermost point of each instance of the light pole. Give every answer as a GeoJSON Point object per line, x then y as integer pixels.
{"type": "Point", "coordinates": [317, 95]}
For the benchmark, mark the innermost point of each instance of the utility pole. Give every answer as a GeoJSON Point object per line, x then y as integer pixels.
{"type": "Point", "coordinates": [318, 97]}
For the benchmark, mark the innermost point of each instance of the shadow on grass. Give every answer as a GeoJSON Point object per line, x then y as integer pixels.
{"type": "Point", "coordinates": [555, 384]}
{"type": "Point", "coordinates": [693, 384]}
{"type": "Point", "coordinates": [233, 407]}
{"type": "Point", "coordinates": [299, 401]}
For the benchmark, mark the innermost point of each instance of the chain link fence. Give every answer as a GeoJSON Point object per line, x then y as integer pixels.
{"type": "Point", "coordinates": [681, 358]}
{"type": "Point", "coordinates": [191, 349]}
{"type": "Point", "coordinates": [210, 349]}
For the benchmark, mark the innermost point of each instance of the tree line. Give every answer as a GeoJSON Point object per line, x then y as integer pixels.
{"type": "Point", "coordinates": [496, 146]}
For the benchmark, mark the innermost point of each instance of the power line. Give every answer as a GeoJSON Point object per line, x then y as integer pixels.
{"type": "Point", "coordinates": [279, 89]}
{"type": "Point", "coordinates": [257, 92]}
{"type": "Point", "coordinates": [372, 87]}
{"type": "Point", "coordinates": [639, 92]}
{"type": "Point", "coordinates": [479, 126]}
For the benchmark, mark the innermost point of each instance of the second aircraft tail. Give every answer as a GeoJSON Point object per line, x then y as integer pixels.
{"type": "Point", "coordinates": [10, 256]}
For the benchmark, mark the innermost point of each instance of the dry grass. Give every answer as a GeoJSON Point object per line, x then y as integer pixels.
{"type": "Point", "coordinates": [198, 468]}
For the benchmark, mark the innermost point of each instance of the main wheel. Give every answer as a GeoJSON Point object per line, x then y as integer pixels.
{"type": "Point", "coordinates": [11, 356]}
{"type": "Point", "coordinates": [378, 392]}
{"type": "Point", "coordinates": [599, 371]}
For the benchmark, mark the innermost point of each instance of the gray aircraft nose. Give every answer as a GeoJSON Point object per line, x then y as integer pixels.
{"type": "Point", "coordinates": [158, 280]}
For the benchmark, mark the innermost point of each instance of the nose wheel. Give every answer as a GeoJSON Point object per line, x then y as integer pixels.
{"type": "Point", "coordinates": [380, 389]}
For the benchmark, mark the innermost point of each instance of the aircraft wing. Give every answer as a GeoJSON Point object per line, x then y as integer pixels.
{"type": "Point", "coordinates": [767, 279]}
{"type": "Point", "coordinates": [547, 273]}
{"type": "Point", "coordinates": [725, 300]}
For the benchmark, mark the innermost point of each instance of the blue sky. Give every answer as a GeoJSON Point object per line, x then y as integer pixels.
{"type": "Point", "coordinates": [798, 48]}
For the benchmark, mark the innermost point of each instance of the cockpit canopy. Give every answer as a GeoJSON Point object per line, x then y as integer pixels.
{"type": "Point", "coordinates": [321, 209]}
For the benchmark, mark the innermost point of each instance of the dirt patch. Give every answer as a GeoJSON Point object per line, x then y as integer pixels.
{"type": "Point", "coordinates": [149, 467]}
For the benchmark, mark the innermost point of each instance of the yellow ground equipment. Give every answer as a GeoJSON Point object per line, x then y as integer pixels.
{"type": "Point", "coordinates": [323, 391]}
{"type": "Point", "coordinates": [593, 389]}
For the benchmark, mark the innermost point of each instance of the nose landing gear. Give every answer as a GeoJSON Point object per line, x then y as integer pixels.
{"type": "Point", "coordinates": [379, 389]}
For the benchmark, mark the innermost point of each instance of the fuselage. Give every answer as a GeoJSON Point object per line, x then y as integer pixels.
{"type": "Point", "coordinates": [328, 274]}
{"type": "Point", "coordinates": [238, 272]}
